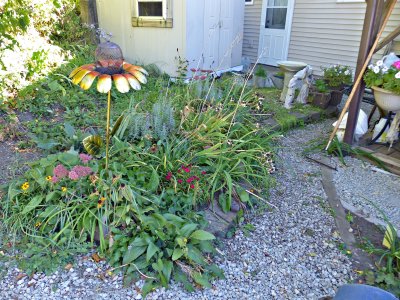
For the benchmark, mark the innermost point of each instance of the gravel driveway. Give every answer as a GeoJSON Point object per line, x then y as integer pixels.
{"type": "Point", "coordinates": [292, 253]}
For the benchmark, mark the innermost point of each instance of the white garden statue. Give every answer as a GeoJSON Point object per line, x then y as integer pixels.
{"type": "Point", "coordinates": [302, 78]}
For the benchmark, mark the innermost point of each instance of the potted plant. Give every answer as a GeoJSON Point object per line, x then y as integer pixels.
{"type": "Point", "coordinates": [277, 79]}
{"type": "Point", "coordinates": [336, 77]}
{"type": "Point", "coordinates": [385, 82]}
{"type": "Point", "coordinates": [319, 94]}
{"type": "Point", "coordinates": [260, 77]}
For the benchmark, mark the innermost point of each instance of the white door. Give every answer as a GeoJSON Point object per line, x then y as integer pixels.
{"type": "Point", "coordinates": [218, 31]}
{"type": "Point", "coordinates": [211, 33]}
{"type": "Point", "coordinates": [226, 34]}
{"type": "Point", "coordinates": [276, 21]}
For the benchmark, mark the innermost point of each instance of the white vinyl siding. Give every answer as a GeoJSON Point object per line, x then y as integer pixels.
{"type": "Point", "coordinates": [329, 32]}
{"type": "Point", "coordinates": [251, 32]}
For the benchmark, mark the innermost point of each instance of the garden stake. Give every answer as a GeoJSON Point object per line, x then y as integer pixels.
{"type": "Point", "coordinates": [108, 126]}
{"type": "Point", "coordinates": [360, 75]}
{"type": "Point", "coordinates": [110, 66]}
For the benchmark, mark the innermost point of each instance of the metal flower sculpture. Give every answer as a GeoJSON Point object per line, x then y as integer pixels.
{"type": "Point", "coordinates": [110, 66]}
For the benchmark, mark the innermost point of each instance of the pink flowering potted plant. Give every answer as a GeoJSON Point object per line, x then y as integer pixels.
{"type": "Point", "coordinates": [385, 82]}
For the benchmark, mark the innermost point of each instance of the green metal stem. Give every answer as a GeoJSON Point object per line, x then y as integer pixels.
{"type": "Point", "coordinates": [108, 126]}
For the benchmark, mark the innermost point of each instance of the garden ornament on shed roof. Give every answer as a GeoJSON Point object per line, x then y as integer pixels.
{"type": "Point", "coordinates": [110, 66]}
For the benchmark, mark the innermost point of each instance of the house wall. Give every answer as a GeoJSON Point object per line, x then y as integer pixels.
{"type": "Point", "coordinates": [329, 32]}
{"type": "Point", "coordinates": [251, 31]}
{"type": "Point", "coordinates": [323, 31]}
{"type": "Point", "coordinates": [145, 45]}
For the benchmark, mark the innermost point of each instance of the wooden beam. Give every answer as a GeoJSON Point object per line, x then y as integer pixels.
{"type": "Point", "coordinates": [372, 23]}
{"type": "Point", "coordinates": [395, 33]}
{"type": "Point", "coordinates": [359, 81]}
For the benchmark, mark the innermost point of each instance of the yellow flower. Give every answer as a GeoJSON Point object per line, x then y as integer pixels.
{"type": "Point", "coordinates": [38, 224]}
{"type": "Point", "coordinates": [48, 178]}
{"type": "Point", "coordinates": [64, 189]}
{"type": "Point", "coordinates": [25, 186]}
{"type": "Point", "coordinates": [101, 202]}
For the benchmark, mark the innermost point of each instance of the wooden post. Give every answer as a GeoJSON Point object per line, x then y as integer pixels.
{"type": "Point", "coordinates": [371, 27]}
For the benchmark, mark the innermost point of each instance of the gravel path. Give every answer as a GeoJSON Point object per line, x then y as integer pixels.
{"type": "Point", "coordinates": [291, 254]}
{"type": "Point", "coordinates": [375, 194]}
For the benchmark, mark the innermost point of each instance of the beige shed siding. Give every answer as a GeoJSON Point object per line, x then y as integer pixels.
{"type": "Point", "coordinates": [251, 31]}
{"type": "Point", "coordinates": [327, 32]}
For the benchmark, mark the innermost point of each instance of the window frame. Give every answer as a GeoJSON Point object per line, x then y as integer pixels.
{"type": "Point", "coordinates": [164, 21]}
{"type": "Point", "coordinates": [251, 2]}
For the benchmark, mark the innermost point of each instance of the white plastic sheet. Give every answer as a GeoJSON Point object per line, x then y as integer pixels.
{"type": "Point", "coordinates": [361, 127]}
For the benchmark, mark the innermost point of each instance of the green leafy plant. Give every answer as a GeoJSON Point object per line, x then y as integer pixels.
{"type": "Point", "coordinates": [388, 273]}
{"type": "Point", "coordinates": [321, 86]}
{"type": "Point", "coordinates": [337, 75]}
{"type": "Point", "coordinates": [384, 77]}
{"type": "Point", "coordinates": [260, 72]}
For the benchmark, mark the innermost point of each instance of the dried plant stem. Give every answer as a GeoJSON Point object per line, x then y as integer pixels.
{"type": "Point", "coordinates": [124, 265]}
{"type": "Point", "coordinates": [258, 197]}
{"type": "Point", "coordinates": [108, 126]}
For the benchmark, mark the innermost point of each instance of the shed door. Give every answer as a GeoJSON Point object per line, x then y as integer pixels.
{"type": "Point", "coordinates": [276, 21]}
{"type": "Point", "coordinates": [218, 22]}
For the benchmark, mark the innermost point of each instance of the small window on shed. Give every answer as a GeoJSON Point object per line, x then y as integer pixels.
{"type": "Point", "coordinates": [152, 13]}
{"type": "Point", "coordinates": [150, 9]}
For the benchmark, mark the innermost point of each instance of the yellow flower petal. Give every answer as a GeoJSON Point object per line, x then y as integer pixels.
{"type": "Point", "coordinates": [104, 83]}
{"type": "Point", "coordinates": [127, 66]}
{"type": "Point", "coordinates": [133, 81]}
{"type": "Point", "coordinates": [79, 76]}
{"type": "Point", "coordinates": [139, 76]}
{"type": "Point", "coordinates": [121, 83]}
{"type": "Point", "coordinates": [87, 81]}
{"type": "Point", "coordinates": [89, 67]}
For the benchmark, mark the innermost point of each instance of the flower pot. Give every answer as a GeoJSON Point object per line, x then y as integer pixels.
{"type": "Point", "coordinates": [386, 100]}
{"type": "Point", "coordinates": [320, 99]}
{"type": "Point", "coordinates": [278, 81]}
{"type": "Point", "coordinates": [259, 81]}
{"type": "Point", "coordinates": [336, 97]}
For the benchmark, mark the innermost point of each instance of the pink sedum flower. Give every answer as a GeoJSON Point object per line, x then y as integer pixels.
{"type": "Point", "coordinates": [73, 175]}
{"type": "Point", "coordinates": [81, 171]}
{"type": "Point", "coordinates": [60, 171]}
{"type": "Point", "coordinates": [85, 158]}
{"type": "Point", "coordinates": [169, 176]}
{"type": "Point", "coordinates": [54, 179]}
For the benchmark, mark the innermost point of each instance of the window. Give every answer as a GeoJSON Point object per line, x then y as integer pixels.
{"type": "Point", "coordinates": [248, 2]}
{"type": "Point", "coordinates": [276, 14]}
{"type": "Point", "coordinates": [152, 13]}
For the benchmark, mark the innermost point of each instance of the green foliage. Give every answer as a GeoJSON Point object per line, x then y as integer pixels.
{"type": "Point", "coordinates": [383, 77]}
{"type": "Point", "coordinates": [388, 275]}
{"type": "Point", "coordinates": [260, 72]}
{"type": "Point", "coordinates": [14, 19]}
{"type": "Point", "coordinates": [337, 75]}
{"type": "Point", "coordinates": [321, 86]}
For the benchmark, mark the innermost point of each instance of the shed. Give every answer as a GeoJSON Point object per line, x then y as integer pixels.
{"type": "Point", "coordinates": [207, 33]}
{"type": "Point", "coordinates": [318, 32]}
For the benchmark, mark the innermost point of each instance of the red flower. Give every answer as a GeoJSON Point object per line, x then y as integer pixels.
{"type": "Point", "coordinates": [192, 186]}
{"type": "Point", "coordinates": [196, 77]}
{"type": "Point", "coordinates": [202, 77]}
{"type": "Point", "coordinates": [168, 177]}
{"type": "Point", "coordinates": [193, 70]}
{"type": "Point", "coordinates": [190, 179]}
{"type": "Point", "coordinates": [186, 169]}
{"type": "Point", "coordinates": [203, 172]}
{"type": "Point", "coordinates": [180, 180]}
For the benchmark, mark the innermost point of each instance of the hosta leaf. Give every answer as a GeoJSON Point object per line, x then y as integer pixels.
{"type": "Point", "coordinates": [167, 269]}
{"type": "Point", "coordinates": [177, 254]}
{"type": "Point", "coordinates": [151, 250]}
{"type": "Point", "coordinates": [202, 235]}
{"type": "Point", "coordinates": [93, 144]}
{"type": "Point", "coordinates": [195, 255]}
{"type": "Point", "coordinates": [201, 279]}
{"type": "Point", "coordinates": [188, 229]}
{"type": "Point", "coordinates": [216, 271]}
{"type": "Point", "coordinates": [35, 202]}
{"type": "Point", "coordinates": [179, 276]}
{"type": "Point", "coordinates": [132, 253]}
{"type": "Point", "coordinates": [117, 125]}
